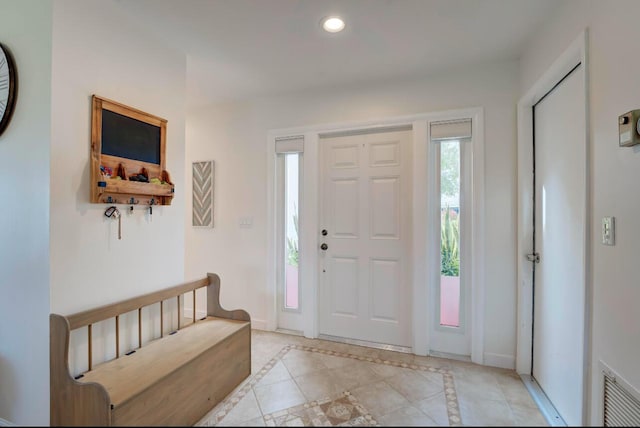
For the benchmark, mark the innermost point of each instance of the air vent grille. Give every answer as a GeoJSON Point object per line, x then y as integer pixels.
{"type": "Point", "coordinates": [620, 407]}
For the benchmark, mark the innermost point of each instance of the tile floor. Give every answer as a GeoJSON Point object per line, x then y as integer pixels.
{"type": "Point", "coordinates": [303, 382]}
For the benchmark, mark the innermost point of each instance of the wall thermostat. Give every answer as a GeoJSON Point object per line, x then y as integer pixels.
{"type": "Point", "coordinates": [629, 129]}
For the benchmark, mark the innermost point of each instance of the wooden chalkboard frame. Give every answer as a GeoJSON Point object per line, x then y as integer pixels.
{"type": "Point", "coordinates": [122, 190]}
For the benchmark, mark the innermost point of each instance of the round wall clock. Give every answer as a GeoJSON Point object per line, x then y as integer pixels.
{"type": "Point", "coordinates": [8, 87]}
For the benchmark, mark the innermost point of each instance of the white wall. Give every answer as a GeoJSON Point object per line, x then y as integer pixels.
{"type": "Point", "coordinates": [234, 135]}
{"type": "Point", "coordinates": [615, 172]}
{"type": "Point", "coordinates": [25, 28]}
{"type": "Point", "coordinates": [58, 253]}
{"type": "Point", "coordinates": [98, 50]}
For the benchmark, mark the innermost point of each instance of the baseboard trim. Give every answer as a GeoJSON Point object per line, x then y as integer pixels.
{"type": "Point", "coordinates": [259, 324]}
{"type": "Point", "coordinates": [500, 360]}
{"type": "Point", "coordinates": [544, 404]}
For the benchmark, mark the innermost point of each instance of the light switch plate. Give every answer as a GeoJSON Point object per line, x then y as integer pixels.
{"type": "Point", "coordinates": [246, 222]}
{"type": "Point", "coordinates": [609, 230]}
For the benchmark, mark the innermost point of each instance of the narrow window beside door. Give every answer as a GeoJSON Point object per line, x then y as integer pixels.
{"type": "Point", "coordinates": [450, 233]}
{"type": "Point", "coordinates": [291, 247]}
{"type": "Point", "coordinates": [289, 205]}
{"type": "Point", "coordinates": [450, 219]}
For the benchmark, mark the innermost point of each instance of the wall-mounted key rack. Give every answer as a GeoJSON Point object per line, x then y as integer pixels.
{"type": "Point", "coordinates": [128, 161]}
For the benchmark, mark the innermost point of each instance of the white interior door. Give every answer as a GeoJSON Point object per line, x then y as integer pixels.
{"type": "Point", "coordinates": [366, 210]}
{"type": "Point", "coordinates": [560, 218]}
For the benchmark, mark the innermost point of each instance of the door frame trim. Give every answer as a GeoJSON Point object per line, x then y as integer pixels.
{"type": "Point", "coordinates": [577, 52]}
{"type": "Point", "coordinates": [309, 211]}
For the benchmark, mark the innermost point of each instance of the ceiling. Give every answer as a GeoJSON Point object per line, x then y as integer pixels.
{"type": "Point", "coordinates": [238, 49]}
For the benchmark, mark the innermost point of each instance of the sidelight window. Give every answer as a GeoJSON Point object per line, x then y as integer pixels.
{"type": "Point", "coordinates": [288, 171]}
{"type": "Point", "coordinates": [450, 233]}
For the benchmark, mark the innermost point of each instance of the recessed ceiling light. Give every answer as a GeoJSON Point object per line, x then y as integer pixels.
{"type": "Point", "coordinates": [333, 24]}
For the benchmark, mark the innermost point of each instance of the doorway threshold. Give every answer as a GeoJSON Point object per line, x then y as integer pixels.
{"type": "Point", "coordinates": [450, 356]}
{"type": "Point", "coordinates": [291, 332]}
{"type": "Point", "coordinates": [366, 343]}
{"type": "Point", "coordinates": [544, 404]}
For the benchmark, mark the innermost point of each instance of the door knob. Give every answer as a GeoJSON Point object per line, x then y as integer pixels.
{"type": "Point", "coordinates": [324, 247]}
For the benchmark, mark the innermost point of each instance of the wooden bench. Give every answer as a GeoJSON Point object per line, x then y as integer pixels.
{"type": "Point", "coordinates": [173, 380]}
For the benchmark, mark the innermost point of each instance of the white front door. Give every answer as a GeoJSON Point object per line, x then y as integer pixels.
{"type": "Point", "coordinates": [366, 213]}
{"type": "Point", "coordinates": [560, 218]}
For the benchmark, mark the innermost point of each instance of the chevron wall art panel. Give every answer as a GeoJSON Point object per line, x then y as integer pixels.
{"type": "Point", "coordinates": [203, 194]}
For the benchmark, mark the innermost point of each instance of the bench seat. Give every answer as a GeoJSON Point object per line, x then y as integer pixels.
{"type": "Point", "coordinates": [129, 375]}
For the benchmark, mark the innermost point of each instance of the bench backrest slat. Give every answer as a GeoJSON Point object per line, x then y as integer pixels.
{"type": "Point", "coordinates": [102, 313]}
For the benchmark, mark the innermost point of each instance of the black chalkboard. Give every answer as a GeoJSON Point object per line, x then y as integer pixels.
{"type": "Point", "coordinates": [130, 138]}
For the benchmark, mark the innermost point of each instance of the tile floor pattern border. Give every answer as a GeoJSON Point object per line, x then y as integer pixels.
{"type": "Point", "coordinates": [453, 409]}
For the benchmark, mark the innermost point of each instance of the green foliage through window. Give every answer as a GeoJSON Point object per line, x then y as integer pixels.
{"type": "Point", "coordinates": [449, 243]}
{"type": "Point", "coordinates": [292, 243]}
{"type": "Point", "coordinates": [450, 169]}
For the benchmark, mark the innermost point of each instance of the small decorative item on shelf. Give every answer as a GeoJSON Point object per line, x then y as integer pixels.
{"type": "Point", "coordinates": [121, 173]}
{"type": "Point", "coordinates": [106, 173]}
{"type": "Point", "coordinates": [142, 176]}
